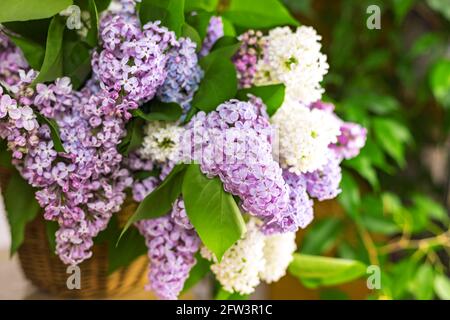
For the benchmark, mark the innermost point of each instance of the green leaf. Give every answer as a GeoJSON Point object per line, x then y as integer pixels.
{"type": "Point", "coordinates": [160, 201]}
{"type": "Point", "coordinates": [350, 197]}
{"type": "Point", "coordinates": [401, 9]}
{"type": "Point", "coordinates": [223, 294]}
{"type": "Point", "coordinates": [76, 62]}
{"type": "Point", "coordinates": [159, 111]}
{"type": "Point", "coordinates": [200, 22]}
{"type": "Point", "coordinates": [256, 14]}
{"type": "Point", "coordinates": [228, 28]}
{"type": "Point", "coordinates": [197, 273]}
{"type": "Point", "coordinates": [212, 211]}
{"type": "Point", "coordinates": [321, 236]}
{"type": "Point", "coordinates": [363, 166]}
{"type": "Point", "coordinates": [315, 271]}
{"type": "Point", "coordinates": [92, 36]}
{"type": "Point", "coordinates": [131, 246]}
{"type": "Point", "coordinates": [21, 207]}
{"type": "Point", "coordinates": [5, 156]}
{"type": "Point", "coordinates": [392, 136]}
{"type": "Point", "coordinates": [333, 294]}
{"type": "Point", "coordinates": [430, 208]}
{"type": "Point", "coordinates": [133, 138]}
{"type": "Point", "coordinates": [54, 131]}
{"type": "Point", "coordinates": [422, 285]}
{"type": "Point", "coordinates": [22, 10]}
{"type": "Point", "coordinates": [225, 41]}
{"type": "Point", "coordinates": [373, 216]}
{"type": "Point", "coordinates": [189, 32]}
{"type": "Point", "coordinates": [169, 12]}
{"type": "Point", "coordinates": [442, 287]}
{"type": "Point", "coordinates": [33, 52]}
{"type": "Point", "coordinates": [207, 5]}
{"type": "Point", "coordinates": [52, 66]}
{"type": "Point", "coordinates": [440, 82]}
{"type": "Point", "coordinates": [272, 95]}
{"type": "Point", "coordinates": [440, 6]}
{"type": "Point", "coordinates": [219, 83]}
{"type": "Point", "coordinates": [50, 229]}
{"type": "Point", "coordinates": [402, 272]}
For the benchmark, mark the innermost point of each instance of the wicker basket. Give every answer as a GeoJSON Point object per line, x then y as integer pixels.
{"type": "Point", "coordinates": [44, 269]}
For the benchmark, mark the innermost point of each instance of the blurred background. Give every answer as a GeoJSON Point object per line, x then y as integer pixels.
{"type": "Point", "coordinates": [394, 208]}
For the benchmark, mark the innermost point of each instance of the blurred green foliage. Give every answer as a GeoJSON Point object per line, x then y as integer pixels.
{"type": "Point", "coordinates": [396, 82]}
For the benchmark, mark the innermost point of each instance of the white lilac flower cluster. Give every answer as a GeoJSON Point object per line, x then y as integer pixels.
{"type": "Point", "coordinates": [254, 258]}
{"type": "Point", "coordinates": [161, 142]}
{"type": "Point", "coordinates": [304, 136]}
{"type": "Point", "coordinates": [294, 59]}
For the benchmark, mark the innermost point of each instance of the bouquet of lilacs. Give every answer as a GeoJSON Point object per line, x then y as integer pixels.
{"type": "Point", "coordinates": [216, 129]}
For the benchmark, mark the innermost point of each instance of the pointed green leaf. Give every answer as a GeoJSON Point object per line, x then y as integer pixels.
{"type": "Point", "coordinates": [315, 271]}
{"type": "Point", "coordinates": [169, 12]}
{"type": "Point", "coordinates": [52, 66]}
{"type": "Point", "coordinates": [21, 207]}
{"type": "Point", "coordinates": [160, 201]}
{"type": "Point", "coordinates": [22, 10]}
{"type": "Point", "coordinates": [257, 14]}
{"type": "Point", "coordinates": [272, 95]}
{"type": "Point", "coordinates": [212, 211]}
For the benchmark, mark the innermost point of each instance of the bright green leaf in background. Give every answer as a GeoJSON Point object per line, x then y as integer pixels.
{"type": "Point", "coordinates": [440, 82]}
{"type": "Point", "coordinates": [423, 282]}
{"type": "Point", "coordinates": [169, 12]}
{"type": "Point", "coordinates": [212, 211]}
{"type": "Point", "coordinates": [441, 6]}
{"type": "Point", "coordinates": [22, 10]}
{"type": "Point", "coordinates": [321, 236]}
{"type": "Point", "coordinates": [21, 207]}
{"type": "Point", "coordinates": [442, 287]}
{"type": "Point", "coordinates": [315, 271]}
{"type": "Point", "coordinates": [257, 14]}
{"type": "Point", "coordinates": [272, 95]}
{"type": "Point", "coordinates": [350, 195]}
{"type": "Point", "coordinates": [401, 8]}
{"type": "Point", "coordinates": [393, 137]}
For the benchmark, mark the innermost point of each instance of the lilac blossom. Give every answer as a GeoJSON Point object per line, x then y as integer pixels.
{"type": "Point", "coordinates": [351, 140]}
{"type": "Point", "coordinates": [132, 60]}
{"type": "Point", "coordinates": [323, 184]}
{"type": "Point", "coordinates": [214, 32]}
{"type": "Point", "coordinates": [234, 143]}
{"type": "Point", "coordinates": [183, 74]}
{"type": "Point", "coordinates": [247, 57]}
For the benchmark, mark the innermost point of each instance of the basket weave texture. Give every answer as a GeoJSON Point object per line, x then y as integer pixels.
{"type": "Point", "coordinates": [44, 269]}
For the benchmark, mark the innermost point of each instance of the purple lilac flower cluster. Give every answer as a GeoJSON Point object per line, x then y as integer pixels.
{"type": "Point", "coordinates": [234, 143]}
{"type": "Point", "coordinates": [247, 57]}
{"type": "Point", "coordinates": [183, 74]}
{"type": "Point", "coordinates": [132, 61]}
{"type": "Point", "coordinates": [214, 32]}
{"type": "Point", "coordinates": [171, 249]}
